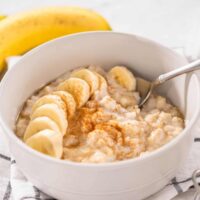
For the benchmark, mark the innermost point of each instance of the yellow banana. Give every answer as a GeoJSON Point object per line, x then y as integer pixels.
{"type": "Point", "coordinates": [2, 17]}
{"type": "Point", "coordinates": [19, 33]}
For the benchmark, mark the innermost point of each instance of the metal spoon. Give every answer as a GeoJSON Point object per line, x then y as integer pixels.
{"type": "Point", "coordinates": [145, 88]}
{"type": "Point", "coordinates": [193, 193]}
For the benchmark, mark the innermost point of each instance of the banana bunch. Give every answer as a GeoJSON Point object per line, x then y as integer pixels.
{"type": "Point", "coordinates": [22, 32]}
{"type": "Point", "coordinates": [50, 114]}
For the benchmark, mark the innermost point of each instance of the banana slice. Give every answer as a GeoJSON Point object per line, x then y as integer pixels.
{"type": "Point", "coordinates": [53, 112]}
{"type": "Point", "coordinates": [49, 99]}
{"type": "Point", "coordinates": [124, 77]}
{"type": "Point", "coordinates": [69, 102]}
{"type": "Point", "coordinates": [89, 77]}
{"type": "Point", "coordinates": [39, 124]}
{"type": "Point", "coordinates": [48, 142]}
{"type": "Point", "coordinates": [79, 89]}
{"type": "Point", "coordinates": [102, 82]}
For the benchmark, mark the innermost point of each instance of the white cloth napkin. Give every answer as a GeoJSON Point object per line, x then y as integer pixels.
{"type": "Point", "coordinates": [13, 184]}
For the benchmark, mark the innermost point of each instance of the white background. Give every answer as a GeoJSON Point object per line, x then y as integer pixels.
{"type": "Point", "coordinates": [171, 22]}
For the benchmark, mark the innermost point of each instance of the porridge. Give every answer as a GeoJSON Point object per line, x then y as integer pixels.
{"type": "Point", "coordinates": [91, 115]}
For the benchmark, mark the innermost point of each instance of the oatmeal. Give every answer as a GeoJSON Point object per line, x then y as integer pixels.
{"type": "Point", "coordinates": [94, 117]}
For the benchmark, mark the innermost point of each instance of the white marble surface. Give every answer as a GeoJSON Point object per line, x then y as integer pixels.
{"type": "Point", "coordinates": [171, 22]}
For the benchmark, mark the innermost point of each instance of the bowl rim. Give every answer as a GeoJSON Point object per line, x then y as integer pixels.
{"type": "Point", "coordinates": [117, 164]}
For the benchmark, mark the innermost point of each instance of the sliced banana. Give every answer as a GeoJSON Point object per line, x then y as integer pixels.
{"type": "Point", "coordinates": [53, 112]}
{"type": "Point", "coordinates": [79, 89]}
{"type": "Point", "coordinates": [48, 142]}
{"type": "Point", "coordinates": [69, 102]}
{"type": "Point", "coordinates": [124, 77]}
{"type": "Point", "coordinates": [39, 124]}
{"type": "Point", "coordinates": [89, 77]}
{"type": "Point", "coordinates": [49, 99]}
{"type": "Point", "coordinates": [102, 82]}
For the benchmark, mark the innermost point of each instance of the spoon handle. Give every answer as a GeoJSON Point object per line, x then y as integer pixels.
{"type": "Point", "coordinates": [182, 70]}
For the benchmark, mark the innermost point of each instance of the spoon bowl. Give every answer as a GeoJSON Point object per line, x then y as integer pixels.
{"type": "Point", "coordinates": [146, 88]}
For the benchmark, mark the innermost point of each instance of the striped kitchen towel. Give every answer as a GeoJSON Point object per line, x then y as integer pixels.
{"type": "Point", "coordinates": [13, 184]}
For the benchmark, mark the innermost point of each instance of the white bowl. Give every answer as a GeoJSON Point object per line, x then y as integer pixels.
{"type": "Point", "coordinates": [130, 179]}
